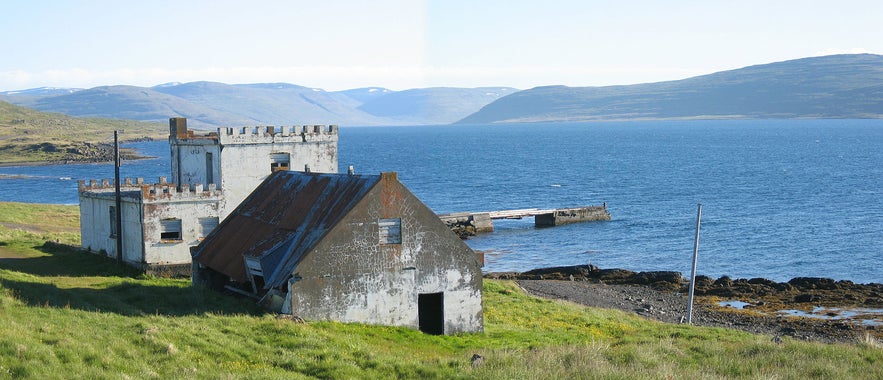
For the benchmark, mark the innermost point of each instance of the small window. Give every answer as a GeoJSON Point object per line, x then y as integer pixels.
{"type": "Point", "coordinates": [279, 162]}
{"type": "Point", "coordinates": [170, 229]}
{"type": "Point", "coordinates": [209, 169]}
{"type": "Point", "coordinates": [390, 231]}
{"type": "Point", "coordinates": [206, 225]}
{"type": "Point", "coordinates": [113, 222]}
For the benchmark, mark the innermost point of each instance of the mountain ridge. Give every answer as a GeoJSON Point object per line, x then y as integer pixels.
{"type": "Point", "coordinates": [209, 104]}
{"type": "Point", "coordinates": [836, 86]}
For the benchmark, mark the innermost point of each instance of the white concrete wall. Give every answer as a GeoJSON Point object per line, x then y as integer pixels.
{"type": "Point", "coordinates": [242, 158]}
{"type": "Point", "coordinates": [387, 298]}
{"type": "Point", "coordinates": [189, 161]}
{"type": "Point", "coordinates": [171, 252]}
{"type": "Point", "coordinates": [244, 166]}
{"type": "Point", "coordinates": [95, 226]}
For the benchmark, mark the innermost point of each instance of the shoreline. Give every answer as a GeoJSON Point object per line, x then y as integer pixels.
{"type": "Point", "coordinates": [806, 308]}
{"type": "Point", "coordinates": [104, 154]}
{"type": "Point", "coordinates": [71, 162]}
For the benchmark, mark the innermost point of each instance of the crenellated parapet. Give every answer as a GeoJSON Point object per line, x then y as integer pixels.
{"type": "Point", "coordinates": [107, 184]}
{"type": "Point", "coordinates": [272, 134]}
{"type": "Point", "coordinates": [160, 191]}
{"type": "Point", "coordinates": [171, 192]}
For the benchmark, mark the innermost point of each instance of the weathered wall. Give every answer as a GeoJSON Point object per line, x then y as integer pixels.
{"type": "Point", "coordinates": [241, 157]}
{"type": "Point", "coordinates": [144, 208]}
{"type": "Point", "coordinates": [351, 277]}
{"type": "Point", "coordinates": [245, 157]}
{"type": "Point", "coordinates": [165, 202]}
{"type": "Point", "coordinates": [189, 161]}
{"type": "Point", "coordinates": [95, 225]}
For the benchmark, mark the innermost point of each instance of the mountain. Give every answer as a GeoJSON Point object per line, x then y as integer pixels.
{"type": "Point", "coordinates": [40, 91]}
{"type": "Point", "coordinates": [837, 86]}
{"type": "Point", "coordinates": [212, 104]}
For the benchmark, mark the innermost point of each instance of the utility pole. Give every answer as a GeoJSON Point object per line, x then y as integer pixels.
{"type": "Point", "coordinates": [695, 260]}
{"type": "Point", "coordinates": [118, 198]}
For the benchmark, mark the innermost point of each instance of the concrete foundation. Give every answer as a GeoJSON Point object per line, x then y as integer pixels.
{"type": "Point", "coordinates": [572, 215]}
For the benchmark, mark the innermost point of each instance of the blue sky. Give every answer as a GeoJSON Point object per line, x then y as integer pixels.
{"type": "Point", "coordinates": [400, 44]}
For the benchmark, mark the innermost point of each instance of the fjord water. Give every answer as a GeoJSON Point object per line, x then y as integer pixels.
{"type": "Point", "coordinates": [781, 198]}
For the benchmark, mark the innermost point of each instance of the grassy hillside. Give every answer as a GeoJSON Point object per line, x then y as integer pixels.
{"type": "Point", "coordinates": [27, 135]}
{"type": "Point", "coordinates": [66, 314]}
{"type": "Point", "coordinates": [838, 86]}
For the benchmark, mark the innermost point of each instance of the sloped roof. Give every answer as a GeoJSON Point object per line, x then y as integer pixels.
{"type": "Point", "coordinates": [282, 219]}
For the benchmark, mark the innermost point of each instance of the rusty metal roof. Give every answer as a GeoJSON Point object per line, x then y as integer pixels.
{"type": "Point", "coordinates": [282, 220]}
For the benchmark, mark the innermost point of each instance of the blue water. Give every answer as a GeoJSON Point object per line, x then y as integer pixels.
{"type": "Point", "coordinates": [780, 199]}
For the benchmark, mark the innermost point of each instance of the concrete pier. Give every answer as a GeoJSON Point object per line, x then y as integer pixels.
{"type": "Point", "coordinates": [467, 224]}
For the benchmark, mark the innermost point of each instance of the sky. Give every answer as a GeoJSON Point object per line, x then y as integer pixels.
{"type": "Point", "coordinates": [402, 44]}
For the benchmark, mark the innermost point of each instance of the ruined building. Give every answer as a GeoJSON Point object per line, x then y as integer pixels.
{"type": "Point", "coordinates": [345, 247]}
{"type": "Point", "coordinates": [212, 172]}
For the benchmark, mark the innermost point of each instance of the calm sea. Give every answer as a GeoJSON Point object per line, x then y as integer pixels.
{"type": "Point", "coordinates": [781, 199]}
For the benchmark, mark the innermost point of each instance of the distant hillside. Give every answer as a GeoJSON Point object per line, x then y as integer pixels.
{"type": "Point", "coordinates": [211, 104]}
{"type": "Point", "coordinates": [838, 86]}
{"type": "Point", "coordinates": [443, 104]}
{"type": "Point", "coordinates": [27, 135]}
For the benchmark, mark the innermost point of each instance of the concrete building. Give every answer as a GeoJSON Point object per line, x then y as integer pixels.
{"type": "Point", "coordinates": [211, 173]}
{"type": "Point", "coordinates": [345, 247]}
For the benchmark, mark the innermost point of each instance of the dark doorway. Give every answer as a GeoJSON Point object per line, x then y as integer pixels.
{"type": "Point", "coordinates": [431, 313]}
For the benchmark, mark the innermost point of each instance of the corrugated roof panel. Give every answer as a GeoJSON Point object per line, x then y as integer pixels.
{"type": "Point", "coordinates": [282, 220]}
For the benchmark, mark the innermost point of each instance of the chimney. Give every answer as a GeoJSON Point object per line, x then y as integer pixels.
{"type": "Point", "coordinates": [178, 127]}
{"type": "Point", "coordinates": [350, 170]}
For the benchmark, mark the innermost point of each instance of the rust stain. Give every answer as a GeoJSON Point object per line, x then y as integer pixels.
{"type": "Point", "coordinates": [280, 221]}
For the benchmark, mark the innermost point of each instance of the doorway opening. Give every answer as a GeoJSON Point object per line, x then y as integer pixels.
{"type": "Point", "coordinates": [431, 313]}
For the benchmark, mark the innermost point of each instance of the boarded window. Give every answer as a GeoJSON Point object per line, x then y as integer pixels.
{"type": "Point", "coordinates": [170, 229]}
{"type": "Point", "coordinates": [279, 162]}
{"type": "Point", "coordinates": [113, 222]}
{"type": "Point", "coordinates": [206, 225]}
{"type": "Point", "coordinates": [390, 231]}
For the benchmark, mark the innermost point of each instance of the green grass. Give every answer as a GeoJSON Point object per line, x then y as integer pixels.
{"type": "Point", "coordinates": [68, 314]}
{"type": "Point", "coordinates": [30, 136]}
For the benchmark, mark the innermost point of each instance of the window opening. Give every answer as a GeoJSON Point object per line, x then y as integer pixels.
{"type": "Point", "coordinates": [390, 231]}
{"type": "Point", "coordinates": [279, 162]}
{"type": "Point", "coordinates": [113, 222]}
{"type": "Point", "coordinates": [209, 169]}
{"type": "Point", "coordinates": [170, 229]}
{"type": "Point", "coordinates": [206, 225]}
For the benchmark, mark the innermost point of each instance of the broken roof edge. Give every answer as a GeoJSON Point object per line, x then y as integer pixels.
{"type": "Point", "coordinates": [237, 271]}
{"type": "Point", "coordinates": [280, 275]}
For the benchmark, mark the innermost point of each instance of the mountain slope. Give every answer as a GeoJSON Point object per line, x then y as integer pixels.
{"type": "Point", "coordinates": [839, 86]}
{"type": "Point", "coordinates": [212, 104]}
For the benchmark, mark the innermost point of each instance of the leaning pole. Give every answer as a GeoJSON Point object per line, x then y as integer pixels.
{"type": "Point", "coordinates": [117, 197]}
{"type": "Point", "coordinates": [695, 260]}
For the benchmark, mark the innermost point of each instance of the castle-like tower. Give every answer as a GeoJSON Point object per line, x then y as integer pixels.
{"type": "Point", "coordinates": [212, 172]}
{"type": "Point", "coordinates": [236, 160]}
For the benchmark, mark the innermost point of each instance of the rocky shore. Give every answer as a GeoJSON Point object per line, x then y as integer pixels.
{"type": "Point", "coordinates": [97, 152]}
{"type": "Point", "coordinates": [816, 309]}
{"type": "Point", "coordinates": [79, 153]}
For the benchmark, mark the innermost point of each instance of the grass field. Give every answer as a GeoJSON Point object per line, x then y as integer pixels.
{"type": "Point", "coordinates": [68, 314]}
